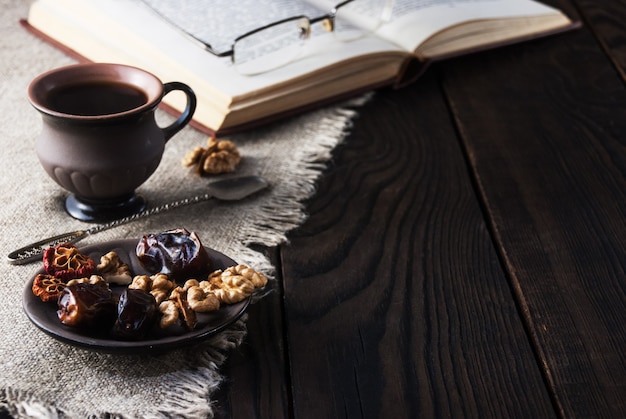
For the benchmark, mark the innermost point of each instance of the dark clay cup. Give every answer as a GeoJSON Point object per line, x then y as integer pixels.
{"type": "Point", "coordinates": [99, 138]}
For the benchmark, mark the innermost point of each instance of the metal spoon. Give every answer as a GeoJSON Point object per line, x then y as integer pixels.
{"type": "Point", "coordinates": [232, 189]}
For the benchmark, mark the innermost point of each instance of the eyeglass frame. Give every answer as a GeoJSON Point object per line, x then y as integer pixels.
{"type": "Point", "coordinates": [329, 17]}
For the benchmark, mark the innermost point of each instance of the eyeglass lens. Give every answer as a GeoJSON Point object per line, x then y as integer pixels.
{"type": "Point", "coordinates": [281, 43]}
{"type": "Point", "coordinates": [360, 17]}
{"type": "Point", "coordinates": [270, 47]}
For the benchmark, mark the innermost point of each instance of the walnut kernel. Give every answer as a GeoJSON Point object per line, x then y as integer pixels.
{"type": "Point", "coordinates": [159, 285]}
{"type": "Point", "coordinates": [234, 284]}
{"type": "Point", "coordinates": [93, 279]}
{"type": "Point", "coordinates": [113, 270]}
{"type": "Point", "coordinates": [221, 156]}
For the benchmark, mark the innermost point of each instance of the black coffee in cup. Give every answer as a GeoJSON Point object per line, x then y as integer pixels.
{"type": "Point", "coordinates": [98, 98]}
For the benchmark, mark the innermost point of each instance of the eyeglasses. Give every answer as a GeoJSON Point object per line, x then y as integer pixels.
{"type": "Point", "coordinates": [277, 44]}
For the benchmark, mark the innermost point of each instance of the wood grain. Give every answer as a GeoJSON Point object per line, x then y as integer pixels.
{"type": "Point", "coordinates": [606, 20]}
{"type": "Point", "coordinates": [395, 302]}
{"type": "Point", "coordinates": [550, 163]}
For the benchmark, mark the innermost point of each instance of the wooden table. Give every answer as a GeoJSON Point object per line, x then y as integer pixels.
{"type": "Point", "coordinates": [465, 252]}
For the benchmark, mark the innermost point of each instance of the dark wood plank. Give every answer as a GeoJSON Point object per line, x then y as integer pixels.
{"type": "Point", "coordinates": [256, 373]}
{"type": "Point", "coordinates": [396, 305]}
{"type": "Point", "coordinates": [606, 20]}
{"type": "Point", "coordinates": [550, 162]}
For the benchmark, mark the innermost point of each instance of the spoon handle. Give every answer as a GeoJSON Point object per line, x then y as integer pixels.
{"type": "Point", "coordinates": [150, 211]}
{"type": "Point", "coordinates": [34, 251]}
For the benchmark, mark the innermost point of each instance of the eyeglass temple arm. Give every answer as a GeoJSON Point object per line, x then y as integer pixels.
{"type": "Point", "coordinates": [213, 51]}
{"type": "Point", "coordinates": [209, 48]}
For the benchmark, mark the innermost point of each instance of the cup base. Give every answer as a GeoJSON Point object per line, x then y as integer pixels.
{"type": "Point", "coordinates": [103, 211]}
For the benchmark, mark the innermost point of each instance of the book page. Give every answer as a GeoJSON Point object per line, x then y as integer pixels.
{"type": "Point", "coordinates": [412, 22]}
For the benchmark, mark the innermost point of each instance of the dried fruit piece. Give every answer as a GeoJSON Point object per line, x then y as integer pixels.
{"type": "Point", "coordinates": [177, 253]}
{"type": "Point", "coordinates": [221, 156]}
{"type": "Point", "coordinates": [48, 287]}
{"type": "Point", "coordinates": [66, 262]}
{"type": "Point", "coordinates": [87, 306]}
{"type": "Point", "coordinates": [136, 313]}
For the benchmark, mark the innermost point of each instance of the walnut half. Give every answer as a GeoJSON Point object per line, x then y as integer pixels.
{"type": "Point", "coordinates": [234, 284]}
{"type": "Point", "coordinates": [113, 270]}
{"type": "Point", "coordinates": [159, 285]}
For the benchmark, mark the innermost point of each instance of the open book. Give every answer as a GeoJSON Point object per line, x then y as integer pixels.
{"type": "Point", "coordinates": [135, 32]}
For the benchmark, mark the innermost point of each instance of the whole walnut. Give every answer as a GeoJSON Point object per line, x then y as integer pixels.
{"type": "Point", "coordinates": [221, 156]}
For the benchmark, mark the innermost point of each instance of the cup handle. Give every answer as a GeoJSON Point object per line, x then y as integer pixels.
{"type": "Point", "coordinates": [185, 117]}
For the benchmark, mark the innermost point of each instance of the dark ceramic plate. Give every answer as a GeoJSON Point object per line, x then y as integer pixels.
{"type": "Point", "coordinates": [44, 315]}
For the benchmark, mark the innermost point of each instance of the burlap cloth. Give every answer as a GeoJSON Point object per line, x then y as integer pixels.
{"type": "Point", "coordinates": [41, 377]}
